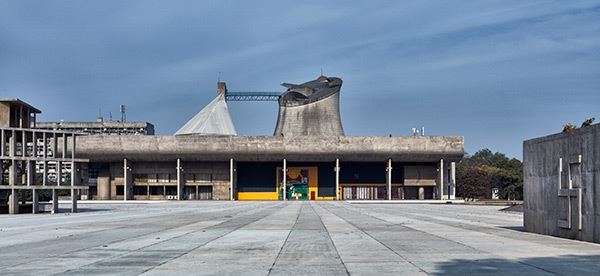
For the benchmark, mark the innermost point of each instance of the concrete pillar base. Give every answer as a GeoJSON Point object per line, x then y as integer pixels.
{"type": "Point", "coordinates": [13, 202]}
{"type": "Point", "coordinates": [35, 208]}
{"type": "Point", "coordinates": [74, 196]}
{"type": "Point", "coordinates": [54, 202]}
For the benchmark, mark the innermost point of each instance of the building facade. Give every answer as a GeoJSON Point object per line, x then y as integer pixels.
{"type": "Point", "coordinates": [100, 127]}
{"type": "Point", "coordinates": [26, 155]}
{"type": "Point", "coordinates": [562, 184]}
{"type": "Point", "coordinates": [252, 167]}
{"type": "Point", "coordinates": [307, 158]}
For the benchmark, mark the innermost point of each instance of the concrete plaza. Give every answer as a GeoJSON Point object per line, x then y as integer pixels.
{"type": "Point", "coordinates": [284, 238]}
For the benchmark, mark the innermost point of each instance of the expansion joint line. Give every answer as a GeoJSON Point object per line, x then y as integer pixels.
{"type": "Point", "coordinates": [377, 240]}
{"type": "Point", "coordinates": [441, 237]}
{"type": "Point", "coordinates": [285, 241]}
{"type": "Point", "coordinates": [329, 235]}
{"type": "Point", "coordinates": [214, 216]}
{"type": "Point", "coordinates": [214, 239]}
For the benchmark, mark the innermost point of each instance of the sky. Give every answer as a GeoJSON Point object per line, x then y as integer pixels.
{"type": "Point", "coordinates": [495, 72]}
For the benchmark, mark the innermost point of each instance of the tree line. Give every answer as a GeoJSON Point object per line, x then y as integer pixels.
{"type": "Point", "coordinates": [478, 174]}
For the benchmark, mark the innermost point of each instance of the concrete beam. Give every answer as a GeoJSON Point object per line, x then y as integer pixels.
{"type": "Point", "coordinates": [112, 148]}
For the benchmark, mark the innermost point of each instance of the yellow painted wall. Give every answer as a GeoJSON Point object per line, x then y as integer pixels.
{"type": "Point", "coordinates": [313, 186]}
{"type": "Point", "coordinates": [257, 196]}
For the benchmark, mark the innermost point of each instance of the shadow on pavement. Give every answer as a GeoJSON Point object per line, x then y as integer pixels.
{"type": "Point", "coordinates": [561, 265]}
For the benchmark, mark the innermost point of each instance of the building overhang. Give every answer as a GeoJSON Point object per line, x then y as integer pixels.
{"type": "Point", "coordinates": [271, 148]}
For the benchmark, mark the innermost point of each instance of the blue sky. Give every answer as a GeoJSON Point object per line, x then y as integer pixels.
{"type": "Point", "coordinates": [496, 72]}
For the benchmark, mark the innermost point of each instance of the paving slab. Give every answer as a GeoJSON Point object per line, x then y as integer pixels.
{"type": "Point", "coordinates": [285, 238]}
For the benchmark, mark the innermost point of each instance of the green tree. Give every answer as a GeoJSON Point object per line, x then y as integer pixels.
{"type": "Point", "coordinates": [500, 172]}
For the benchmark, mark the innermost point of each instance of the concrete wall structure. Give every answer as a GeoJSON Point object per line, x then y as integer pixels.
{"type": "Point", "coordinates": [25, 155]}
{"type": "Point", "coordinates": [562, 184]}
{"type": "Point", "coordinates": [311, 108]}
{"type": "Point", "coordinates": [272, 148]}
{"type": "Point", "coordinates": [186, 166]}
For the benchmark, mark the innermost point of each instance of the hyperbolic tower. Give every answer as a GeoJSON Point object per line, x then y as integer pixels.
{"type": "Point", "coordinates": [311, 108]}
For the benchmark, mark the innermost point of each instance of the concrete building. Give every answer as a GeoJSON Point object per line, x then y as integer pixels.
{"type": "Point", "coordinates": [308, 158]}
{"type": "Point", "coordinates": [22, 149]}
{"type": "Point", "coordinates": [309, 148]}
{"type": "Point", "coordinates": [100, 127]}
{"type": "Point", "coordinates": [562, 184]}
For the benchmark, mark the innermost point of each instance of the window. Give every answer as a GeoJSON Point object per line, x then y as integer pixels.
{"type": "Point", "coordinates": [152, 178]}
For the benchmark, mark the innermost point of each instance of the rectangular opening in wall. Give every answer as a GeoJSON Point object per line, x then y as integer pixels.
{"type": "Point", "coordinates": [575, 175]}
{"type": "Point", "coordinates": [140, 190]}
{"type": "Point", "coordinates": [205, 192]}
{"type": "Point", "coordinates": [120, 190]}
{"type": "Point", "coordinates": [156, 190]}
{"type": "Point", "coordinates": [171, 190]}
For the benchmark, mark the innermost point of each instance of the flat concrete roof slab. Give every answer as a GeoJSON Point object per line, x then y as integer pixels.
{"type": "Point", "coordinates": [285, 238]}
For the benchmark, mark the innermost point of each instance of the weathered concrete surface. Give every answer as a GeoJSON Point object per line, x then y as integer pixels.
{"type": "Point", "coordinates": [321, 118]}
{"type": "Point", "coordinates": [271, 148]}
{"type": "Point", "coordinates": [284, 238]}
{"type": "Point", "coordinates": [546, 212]}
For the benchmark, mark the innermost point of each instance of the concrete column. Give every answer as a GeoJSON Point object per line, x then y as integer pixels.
{"type": "Point", "coordinates": [21, 117]}
{"type": "Point", "coordinates": [45, 174]}
{"type": "Point", "coordinates": [337, 179]}
{"type": "Point", "coordinates": [74, 196]}
{"type": "Point", "coordinates": [2, 142]}
{"type": "Point", "coordinates": [45, 145]}
{"type": "Point", "coordinates": [231, 179]}
{"type": "Point", "coordinates": [54, 202]}
{"type": "Point", "coordinates": [12, 173]}
{"type": "Point", "coordinates": [34, 143]}
{"type": "Point", "coordinates": [180, 180]}
{"type": "Point", "coordinates": [23, 144]}
{"type": "Point", "coordinates": [127, 180]}
{"type": "Point", "coordinates": [35, 201]}
{"type": "Point", "coordinates": [104, 184]}
{"type": "Point", "coordinates": [284, 179]}
{"type": "Point", "coordinates": [58, 173]}
{"type": "Point", "coordinates": [389, 179]}
{"type": "Point", "coordinates": [54, 145]}
{"type": "Point", "coordinates": [441, 184]}
{"type": "Point", "coordinates": [64, 145]}
{"type": "Point", "coordinates": [73, 146]}
{"type": "Point", "coordinates": [12, 142]}
{"type": "Point", "coordinates": [13, 202]}
{"type": "Point", "coordinates": [74, 175]}
{"type": "Point", "coordinates": [30, 173]}
{"type": "Point", "coordinates": [452, 191]}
